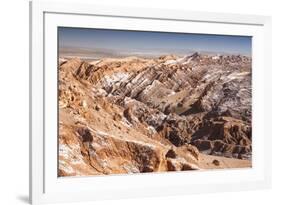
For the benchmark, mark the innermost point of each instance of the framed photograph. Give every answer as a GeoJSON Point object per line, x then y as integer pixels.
{"type": "Point", "coordinates": [129, 102]}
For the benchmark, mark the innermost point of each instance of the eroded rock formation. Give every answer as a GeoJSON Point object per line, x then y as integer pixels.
{"type": "Point", "coordinates": [137, 115]}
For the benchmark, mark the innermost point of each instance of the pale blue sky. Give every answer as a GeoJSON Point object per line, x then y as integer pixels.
{"type": "Point", "coordinates": [152, 41]}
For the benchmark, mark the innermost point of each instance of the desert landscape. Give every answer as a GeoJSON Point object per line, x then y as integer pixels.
{"type": "Point", "coordinates": [138, 114]}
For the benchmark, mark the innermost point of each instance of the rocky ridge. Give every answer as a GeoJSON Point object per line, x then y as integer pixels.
{"type": "Point", "coordinates": [136, 115]}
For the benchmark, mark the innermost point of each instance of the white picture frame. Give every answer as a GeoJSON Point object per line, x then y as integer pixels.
{"type": "Point", "coordinates": [46, 187]}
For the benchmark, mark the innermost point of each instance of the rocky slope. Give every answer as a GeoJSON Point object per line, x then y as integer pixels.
{"type": "Point", "coordinates": [136, 115]}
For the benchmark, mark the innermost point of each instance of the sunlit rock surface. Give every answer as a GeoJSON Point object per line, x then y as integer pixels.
{"type": "Point", "coordinates": [134, 115]}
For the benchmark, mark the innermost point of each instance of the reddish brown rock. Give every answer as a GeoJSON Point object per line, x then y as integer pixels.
{"type": "Point", "coordinates": [136, 115]}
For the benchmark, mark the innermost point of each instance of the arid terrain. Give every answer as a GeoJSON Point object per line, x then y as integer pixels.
{"type": "Point", "coordinates": [172, 113]}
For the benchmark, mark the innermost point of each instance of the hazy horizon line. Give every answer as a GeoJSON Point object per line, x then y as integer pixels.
{"type": "Point", "coordinates": [97, 53]}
